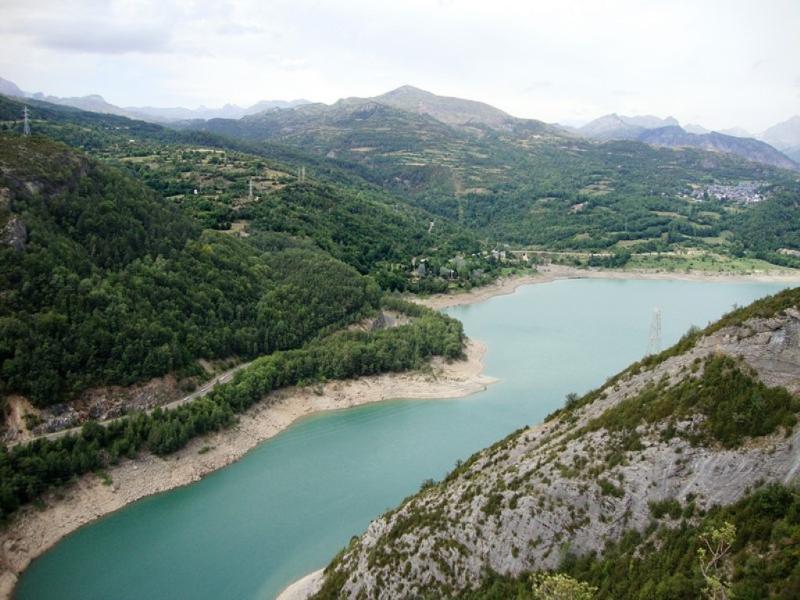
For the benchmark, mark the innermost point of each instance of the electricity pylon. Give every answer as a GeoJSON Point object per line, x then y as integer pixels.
{"type": "Point", "coordinates": [654, 347]}
{"type": "Point", "coordinates": [26, 127]}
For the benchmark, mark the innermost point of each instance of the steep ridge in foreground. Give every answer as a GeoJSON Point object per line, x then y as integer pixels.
{"type": "Point", "coordinates": [628, 468]}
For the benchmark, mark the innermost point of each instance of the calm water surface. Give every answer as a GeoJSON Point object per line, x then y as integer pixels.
{"type": "Point", "coordinates": [288, 506]}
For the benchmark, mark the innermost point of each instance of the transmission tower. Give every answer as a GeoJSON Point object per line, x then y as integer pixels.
{"type": "Point", "coordinates": [654, 346]}
{"type": "Point", "coordinates": [250, 193]}
{"type": "Point", "coordinates": [26, 126]}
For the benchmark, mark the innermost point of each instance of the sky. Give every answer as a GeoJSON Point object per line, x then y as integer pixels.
{"type": "Point", "coordinates": [719, 63]}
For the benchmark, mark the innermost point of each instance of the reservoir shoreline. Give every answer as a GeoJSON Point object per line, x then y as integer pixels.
{"type": "Point", "coordinates": [33, 531]}
{"type": "Point", "coordinates": [550, 273]}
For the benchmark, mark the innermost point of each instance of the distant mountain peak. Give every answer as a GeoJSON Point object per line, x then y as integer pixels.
{"type": "Point", "coordinates": [785, 136]}
{"type": "Point", "coordinates": [747, 148]}
{"type": "Point", "coordinates": [9, 88]}
{"type": "Point", "coordinates": [448, 109]}
{"type": "Point", "coordinates": [408, 89]}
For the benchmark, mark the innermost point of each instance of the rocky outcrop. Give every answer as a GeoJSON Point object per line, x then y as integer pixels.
{"type": "Point", "coordinates": [575, 483]}
{"type": "Point", "coordinates": [15, 234]}
{"type": "Point", "coordinates": [100, 403]}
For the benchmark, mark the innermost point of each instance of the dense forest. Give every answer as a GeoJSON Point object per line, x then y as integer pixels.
{"type": "Point", "coordinates": [26, 471]}
{"type": "Point", "coordinates": [114, 286]}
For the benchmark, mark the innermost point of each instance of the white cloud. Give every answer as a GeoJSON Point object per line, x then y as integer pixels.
{"type": "Point", "coordinates": [720, 62]}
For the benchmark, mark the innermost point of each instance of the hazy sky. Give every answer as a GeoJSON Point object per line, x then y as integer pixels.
{"type": "Point", "coordinates": [715, 62]}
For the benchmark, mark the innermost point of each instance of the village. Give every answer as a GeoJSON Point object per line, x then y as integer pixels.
{"type": "Point", "coordinates": [745, 192]}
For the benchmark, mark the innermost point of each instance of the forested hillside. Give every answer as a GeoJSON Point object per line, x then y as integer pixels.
{"type": "Point", "coordinates": [28, 471]}
{"type": "Point", "coordinates": [107, 283]}
{"type": "Point", "coordinates": [160, 254]}
{"type": "Point", "coordinates": [209, 178]}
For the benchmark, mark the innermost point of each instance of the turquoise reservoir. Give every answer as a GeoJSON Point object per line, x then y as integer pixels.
{"type": "Point", "coordinates": [289, 505]}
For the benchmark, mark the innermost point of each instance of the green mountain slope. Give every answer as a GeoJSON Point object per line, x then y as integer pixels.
{"type": "Point", "coordinates": [27, 471]}
{"type": "Point", "coordinates": [208, 177]}
{"type": "Point", "coordinates": [523, 182]}
{"type": "Point", "coordinates": [108, 284]}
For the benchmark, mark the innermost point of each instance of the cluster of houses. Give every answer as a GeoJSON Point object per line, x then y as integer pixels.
{"type": "Point", "coordinates": [459, 266]}
{"type": "Point", "coordinates": [746, 192]}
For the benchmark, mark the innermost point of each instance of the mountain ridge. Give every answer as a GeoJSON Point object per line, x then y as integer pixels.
{"type": "Point", "coordinates": [748, 148]}
{"type": "Point", "coordinates": [642, 128]}
{"type": "Point", "coordinates": [96, 103]}
{"type": "Point", "coordinates": [448, 109]}
{"type": "Point", "coordinates": [469, 115]}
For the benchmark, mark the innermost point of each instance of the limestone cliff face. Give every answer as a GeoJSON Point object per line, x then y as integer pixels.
{"type": "Point", "coordinates": [576, 482]}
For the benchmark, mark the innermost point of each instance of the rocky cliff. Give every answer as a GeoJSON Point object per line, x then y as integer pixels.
{"type": "Point", "coordinates": [701, 424]}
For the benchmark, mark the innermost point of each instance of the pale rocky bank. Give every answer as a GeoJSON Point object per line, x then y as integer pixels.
{"type": "Point", "coordinates": [33, 531]}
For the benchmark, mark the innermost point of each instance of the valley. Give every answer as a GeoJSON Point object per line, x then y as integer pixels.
{"type": "Point", "coordinates": [597, 324]}
{"type": "Point", "coordinates": [227, 319]}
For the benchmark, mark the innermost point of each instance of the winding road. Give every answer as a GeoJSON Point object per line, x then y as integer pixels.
{"type": "Point", "coordinates": [223, 377]}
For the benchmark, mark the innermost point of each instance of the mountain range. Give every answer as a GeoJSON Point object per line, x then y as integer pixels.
{"type": "Point", "coordinates": [96, 103]}
{"type": "Point", "coordinates": [470, 114]}
{"type": "Point", "coordinates": [784, 138]}
{"type": "Point", "coordinates": [479, 118]}
{"type": "Point", "coordinates": [521, 181]}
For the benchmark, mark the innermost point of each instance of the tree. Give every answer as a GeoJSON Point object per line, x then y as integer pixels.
{"type": "Point", "coordinates": [558, 586]}
{"type": "Point", "coordinates": [717, 542]}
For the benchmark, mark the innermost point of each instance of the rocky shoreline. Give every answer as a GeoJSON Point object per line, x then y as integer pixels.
{"type": "Point", "coordinates": [33, 531]}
